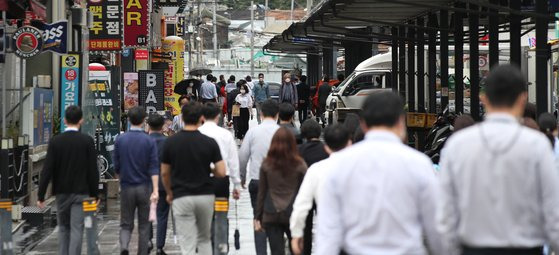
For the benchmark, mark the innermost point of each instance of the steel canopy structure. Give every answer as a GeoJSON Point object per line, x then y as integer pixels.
{"type": "Point", "coordinates": [359, 26]}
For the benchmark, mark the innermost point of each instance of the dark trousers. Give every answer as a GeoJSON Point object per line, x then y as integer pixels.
{"type": "Point", "coordinates": [162, 219]}
{"type": "Point", "coordinates": [259, 237]}
{"type": "Point", "coordinates": [242, 125]}
{"type": "Point", "coordinates": [132, 199]}
{"type": "Point", "coordinates": [303, 113]}
{"type": "Point", "coordinates": [502, 251]}
{"type": "Point", "coordinates": [70, 221]}
{"type": "Point", "coordinates": [307, 234]}
{"type": "Point", "coordinates": [275, 233]}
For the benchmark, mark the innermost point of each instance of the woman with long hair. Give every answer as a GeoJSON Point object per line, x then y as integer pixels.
{"type": "Point", "coordinates": [244, 100]}
{"type": "Point", "coordinates": [281, 175]}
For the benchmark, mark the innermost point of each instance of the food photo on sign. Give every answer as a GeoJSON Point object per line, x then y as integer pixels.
{"type": "Point", "coordinates": [131, 90]}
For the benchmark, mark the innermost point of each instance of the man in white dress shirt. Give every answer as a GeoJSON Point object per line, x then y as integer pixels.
{"type": "Point", "coordinates": [229, 153]}
{"type": "Point", "coordinates": [337, 137]}
{"type": "Point", "coordinates": [381, 197]}
{"type": "Point", "coordinates": [500, 187]}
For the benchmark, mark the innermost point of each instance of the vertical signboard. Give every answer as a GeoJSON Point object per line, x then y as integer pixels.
{"type": "Point", "coordinates": [180, 26]}
{"type": "Point", "coordinates": [105, 32]}
{"type": "Point", "coordinates": [69, 84]}
{"type": "Point", "coordinates": [136, 23]}
{"type": "Point", "coordinates": [2, 44]}
{"type": "Point", "coordinates": [42, 116]}
{"type": "Point", "coordinates": [174, 47]}
{"type": "Point", "coordinates": [151, 90]}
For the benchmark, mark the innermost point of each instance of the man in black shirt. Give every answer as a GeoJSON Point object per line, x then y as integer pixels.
{"type": "Point", "coordinates": [286, 113]}
{"type": "Point", "coordinates": [313, 149]}
{"type": "Point", "coordinates": [303, 90]}
{"type": "Point", "coordinates": [185, 169]}
{"type": "Point", "coordinates": [71, 164]}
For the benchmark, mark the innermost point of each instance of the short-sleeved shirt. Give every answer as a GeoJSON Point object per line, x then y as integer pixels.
{"type": "Point", "coordinates": [190, 154]}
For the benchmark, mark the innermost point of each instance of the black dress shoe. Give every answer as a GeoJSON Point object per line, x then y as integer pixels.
{"type": "Point", "coordinates": [160, 252]}
{"type": "Point", "coordinates": [124, 252]}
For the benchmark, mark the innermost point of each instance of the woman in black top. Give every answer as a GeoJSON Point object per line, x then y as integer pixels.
{"type": "Point", "coordinates": [281, 175]}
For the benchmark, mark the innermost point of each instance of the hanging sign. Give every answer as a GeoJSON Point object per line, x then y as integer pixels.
{"type": "Point", "coordinates": [28, 41]}
{"type": "Point", "coordinates": [151, 90]}
{"type": "Point", "coordinates": [69, 83]}
{"type": "Point", "coordinates": [55, 35]}
{"type": "Point", "coordinates": [141, 54]}
{"type": "Point", "coordinates": [105, 32]}
{"type": "Point", "coordinates": [180, 26]}
{"type": "Point", "coordinates": [136, 23]}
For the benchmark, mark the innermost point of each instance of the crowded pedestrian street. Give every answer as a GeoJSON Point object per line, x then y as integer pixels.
{"type": "Point", "coordinates": [281, 127]}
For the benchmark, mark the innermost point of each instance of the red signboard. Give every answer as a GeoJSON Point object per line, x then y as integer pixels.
{"type": "Point", "coordinates": [136, 23]}
{"type": "Point", "coordinates": [141, 54]}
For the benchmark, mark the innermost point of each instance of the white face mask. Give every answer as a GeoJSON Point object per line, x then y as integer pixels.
{"type": "Point", "coordinates": [243, 91]}
{"type": "Point", "coordinates": [287, 80]}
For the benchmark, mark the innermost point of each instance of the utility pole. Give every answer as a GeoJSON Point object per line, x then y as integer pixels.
{"type": "Point", "coordinates": [216, 52]}
{"type": "Point", "coordinates": [198, 23]}
{"type": "Point", "coordinates": [309, 6]}
{"type": "Point", "coordinates": [3, 85]}
{"type": "Point", "coordinates": [292, 6]}
{"type": "Point", "coordinates": [266, 13]}
{"type": "Point", "coordinates": [252, 38]}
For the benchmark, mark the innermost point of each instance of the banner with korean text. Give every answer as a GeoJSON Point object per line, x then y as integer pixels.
{"type": "Point", "coordinates": [70, 84]}
{"type": "Point", "coordinates": [105, 32]}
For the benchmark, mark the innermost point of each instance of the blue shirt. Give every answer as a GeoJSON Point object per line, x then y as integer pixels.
{"type": "Point", "coordinates": [260, 92]}
{"type": "Point", "coordinates": [208, 91]}
{"type": "Point", "coordinates": [135, 158]}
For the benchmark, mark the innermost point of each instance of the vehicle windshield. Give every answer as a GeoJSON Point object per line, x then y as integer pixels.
{"type": "Point", "coordinates": [343, 83]}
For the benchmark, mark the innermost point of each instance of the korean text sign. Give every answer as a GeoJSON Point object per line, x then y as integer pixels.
{"type": "Point", "coordinates": [136, 22]}
{"type": "Point", "coordinates": [70, 84]}
{"type": "Point", "coordinates": [105, 33]}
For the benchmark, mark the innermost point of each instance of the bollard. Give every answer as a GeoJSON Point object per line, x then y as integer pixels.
{"type": "Point", "coordinates": [90, 225]}
{"type": "Point", "coordinates": [6, 227]}
{"type": "Point", "coordinates": [221, 226]}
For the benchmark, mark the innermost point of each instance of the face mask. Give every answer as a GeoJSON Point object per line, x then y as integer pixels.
{"type": "Point", "coordinates": [287, 80]}
{"type": "Point", "coordinates": [243, 91]}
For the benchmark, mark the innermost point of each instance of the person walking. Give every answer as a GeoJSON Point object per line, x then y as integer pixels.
{"type": "Point", "coordinates": [303, 93]}
{"type": "Point", "coordinates": [185, 169]}
{"type": "Point", "coordinates": [337, 138]}
{"type": "Point", "coordinates": [231, 96]}
{"type": "Point", "coordinates": [155, 123]}
{"type": "Point", "coordinates": [499, 181]}
{"type": "Point", "coordinates": [323, 92]}
{"type": "Point", "coordinates": [254, 149]}
{"type": "Point", "coordinates": [136, 161]}
{"type": "Point", "coordinates": [178, 124]}
{"type": "Point", "coordinates": [281, 174]}
{"type": "Point", "coordinates": [313, 150]}
{"type": "Point", "coordinates": [250, 84]}
{"type": "Point", "coordinates": [244, 100]}
{"type": "Point", "coordinates": [230, 155]}
{"type": "Point", "coordinates": [71, 164]}
{"type": "Point", "coordinates": [208, 92]}
{"type": "Point", "coordinates": [261, 93]}
{"type": "Point", "coordinates": [398, 215]}
{"type": "Point", "coordinates": [548, 126]}
{"type": "Point", "coordinates": [230, 84]}
{"type": "Point", "coordinates": [288, 91]}
{"type": "Point", "coordinates": [286, 114]}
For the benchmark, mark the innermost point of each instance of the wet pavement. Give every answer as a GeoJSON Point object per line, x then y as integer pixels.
{"type": "Point", "coordinates": [45, 240]}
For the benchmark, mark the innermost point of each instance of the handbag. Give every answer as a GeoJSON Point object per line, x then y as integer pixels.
{"type": "Point", "coordinates": [236, 111]}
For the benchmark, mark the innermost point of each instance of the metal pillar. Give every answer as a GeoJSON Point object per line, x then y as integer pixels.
{"type": "Point", "coordinates": [252, 38]}
{"type": "Point", "coordinates": [6, 242]}
{"type": "Point", "coordinates": [3, 85]}
{"type": "Point", "coordinates": [394, 82]}
{"type": "Point", "coordinates": [421, 65]}
{"type": "Point", "coordinates": [493, 36]}
{"type": "Point", "coordinates": [90, 225]}
{"type": "Point", "coordinates": [355, 53]}
{"type": "Point", "coordinates": [216, 51]}
{"type": "Point", "coordinates": [402, 63]}
{"type": "Point", "coordinates": [313, 69]}
{"type": "Point", "coordinates": [411, 70]}
{"type": "Point", "coordinates": [515, 34]}
{"type": "Point", "coordinates": [474, 63]}
{"type": "Point", "coordinates": [542, 56]}
{"type": "Point", "coordinates": [444, 59]}
{"type": "Point", "coordinates": [432, 64]}
{"type": "Point", "coordinates": [328, 60]}
{"type": "Point", "coordinates": [459, 60]}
